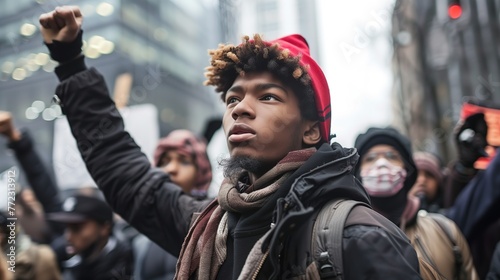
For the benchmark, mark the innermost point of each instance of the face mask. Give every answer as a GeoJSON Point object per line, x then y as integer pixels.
{"type": "Point", "coordinates": [383, 178]}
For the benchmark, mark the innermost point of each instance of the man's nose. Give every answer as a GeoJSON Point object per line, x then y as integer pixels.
{"type": "Point", "coordinates": [244, 108]}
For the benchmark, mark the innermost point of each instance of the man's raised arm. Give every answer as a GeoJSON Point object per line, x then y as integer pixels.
{"type": "Point", "coordinates": [142, 195]}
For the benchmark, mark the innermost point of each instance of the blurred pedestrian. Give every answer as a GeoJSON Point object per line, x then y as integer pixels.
{"type": "Point", "coordinates": [388, 172]}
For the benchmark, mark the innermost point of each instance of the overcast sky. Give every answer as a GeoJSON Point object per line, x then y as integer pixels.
{"type": "Point", "coordinates": [356, 56]}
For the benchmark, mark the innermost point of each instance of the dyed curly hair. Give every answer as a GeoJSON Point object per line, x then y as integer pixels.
{"type": "Point", "coordinates": [230, 61]}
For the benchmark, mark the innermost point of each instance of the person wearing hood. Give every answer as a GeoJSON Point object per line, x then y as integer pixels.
{"type": "Point", "coordinates": [281, 171]}
{"type": "Point", "coordinates": [388, 172]}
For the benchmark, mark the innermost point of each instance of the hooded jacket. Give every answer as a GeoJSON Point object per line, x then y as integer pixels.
{"type": "Point", "coordinates": [149, 201]}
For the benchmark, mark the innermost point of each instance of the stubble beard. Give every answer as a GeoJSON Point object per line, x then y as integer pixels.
{"type": "Point", "coordinates": [235, 166]}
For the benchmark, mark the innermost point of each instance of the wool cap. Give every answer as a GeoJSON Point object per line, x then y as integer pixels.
{"type": "Point", "coordinates": [430, 163]}
{"type": "Point", "coordinates": [187, 143]}
{"type": "Point", "coordinates": [298, 46]}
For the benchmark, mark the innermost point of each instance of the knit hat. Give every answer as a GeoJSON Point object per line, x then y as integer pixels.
{"type": "Point", "coordinates": [226, 65]}
{"type": "Point", "coordinates": [430, 163]}
{"type": "Point", "coordinates": [186, 143]}
{"type": "Point", "coordinates": [298, 46]}
{"type": "Point", "coordinates": [388, 136]}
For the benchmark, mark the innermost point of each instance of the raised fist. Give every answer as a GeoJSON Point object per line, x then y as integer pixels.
{"type": "Point", "coordinates": [7, 127]}
{"type": "Point", "coordinates": [62, 24]}
{"type": "Point", "coordinates": [470, 136]}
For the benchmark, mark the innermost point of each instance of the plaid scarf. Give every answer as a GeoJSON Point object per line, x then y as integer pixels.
{"type": "Point", "coordinates": [204, 249]}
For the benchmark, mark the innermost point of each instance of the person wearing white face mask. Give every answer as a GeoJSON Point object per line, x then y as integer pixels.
{"type": "Point", "coordinates": [387, 172]}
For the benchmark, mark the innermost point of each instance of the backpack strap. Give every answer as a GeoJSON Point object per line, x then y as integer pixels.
{"type": "Point", "coordinates": [457, 252]}
{"type": "Point", "coordinates": [328, 235]}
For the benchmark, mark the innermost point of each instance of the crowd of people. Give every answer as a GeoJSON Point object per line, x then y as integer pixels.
{"type": "Point", "coordinates": [386, 212]}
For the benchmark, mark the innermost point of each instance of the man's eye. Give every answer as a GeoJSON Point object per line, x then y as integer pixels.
{"type": "Point", "coordinates": [231, 100]}
{"type": "Point", "coordinates": [269, 97]}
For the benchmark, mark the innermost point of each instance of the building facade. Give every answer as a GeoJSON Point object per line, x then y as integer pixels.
{"type": "Point", "coordinates": [161, 46]}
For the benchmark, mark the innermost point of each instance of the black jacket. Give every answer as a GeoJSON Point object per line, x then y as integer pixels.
{"type": "Point", "coordinates": [148, 199]}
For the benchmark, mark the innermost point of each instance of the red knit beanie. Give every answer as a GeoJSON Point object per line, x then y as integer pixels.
{"type": "Point", "coordinates": [298, 46]}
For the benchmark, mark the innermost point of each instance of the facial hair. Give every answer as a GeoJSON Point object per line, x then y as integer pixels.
{"type": "Point", "coordinates": [234, 167]}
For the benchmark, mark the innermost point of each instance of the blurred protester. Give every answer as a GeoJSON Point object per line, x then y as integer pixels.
{"type": "Point", "coordinates": [44, 199]}
{"type": "Point", "coordinates": [31, 261]}
{"type": "Point", "coordinates": [429, 184]}
{"type": "Point", "coordinates": [96, 253]}
{"type": "Point", "coordinates": [183, 156]}
{"type": "Point", "coordinates": [43, 195]}
{"type": "Point", "coordinates": [281, 171]}
{"type": "Point", "coordinates": [388, 172]}
{"type": "Point", "coordinates": [494, 273]}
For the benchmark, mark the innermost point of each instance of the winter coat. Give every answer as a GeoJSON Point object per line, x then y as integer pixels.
{"type": "Point", "coordinates": [433, 246]}
{"type": "Point", "coordinates": [149, 201]}
{"type": "Point", "coordinates": [494, 273]}
{"type": "Point", "coordinates": [476, 214]}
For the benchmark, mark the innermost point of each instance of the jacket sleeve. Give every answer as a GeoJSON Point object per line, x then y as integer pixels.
{"type": "Point", "coordinates": [142, 195]}
{"type": "Point", "coordinates": [372, 253]}
{"type": "Point", "coordinates": [474, 206]}
{"type": "Point", "coordinates": [454, 184]}
{"type": "Point", "coordinates": [37, 174]}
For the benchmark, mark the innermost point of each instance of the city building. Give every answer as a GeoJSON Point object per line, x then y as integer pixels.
{"type": "Point", "coordinates": [150, 52]}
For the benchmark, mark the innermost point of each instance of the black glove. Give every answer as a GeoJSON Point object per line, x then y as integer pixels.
{"type": "Point", "coordinates": [470, 137]}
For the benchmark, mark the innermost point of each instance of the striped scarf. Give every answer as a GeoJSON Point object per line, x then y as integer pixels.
{"type": "Point", "coordinates": [204, 249]}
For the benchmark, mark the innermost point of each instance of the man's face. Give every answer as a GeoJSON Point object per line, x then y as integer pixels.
{"type": "Point", "coordinates": [82, 235]}
{"type": "Point", "coordinates": [181, 168]}
{"type": "Point", "coordinates": [262, 118]}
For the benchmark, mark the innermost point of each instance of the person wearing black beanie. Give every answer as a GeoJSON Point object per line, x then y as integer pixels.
{"type": "Point", "coordinates": [388, 172]}
{"type": "Point", "coordinates": [390, 206]}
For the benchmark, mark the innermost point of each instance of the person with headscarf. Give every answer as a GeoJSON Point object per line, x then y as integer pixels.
{"type": "Point", "coordinates": [183, 156]}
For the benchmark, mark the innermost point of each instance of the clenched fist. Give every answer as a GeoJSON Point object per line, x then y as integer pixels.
{"type": "Point", "coordinates": [7, 127]}
{"type": "Point", "coordinates": [62, 24]}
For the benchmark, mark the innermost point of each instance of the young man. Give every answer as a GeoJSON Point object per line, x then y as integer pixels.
{"type": "Point", "coordinates": [280, 173]}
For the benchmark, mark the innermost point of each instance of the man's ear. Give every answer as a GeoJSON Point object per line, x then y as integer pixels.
{"type": "Point", "coordinates": [312, 133]}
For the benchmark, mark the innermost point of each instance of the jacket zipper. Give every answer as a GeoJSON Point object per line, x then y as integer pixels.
{"type": "Point", "coordinates": [259, 267]}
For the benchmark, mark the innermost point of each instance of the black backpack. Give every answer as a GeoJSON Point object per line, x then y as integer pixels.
{"type": "Point", "coordinates": [330, 222]}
